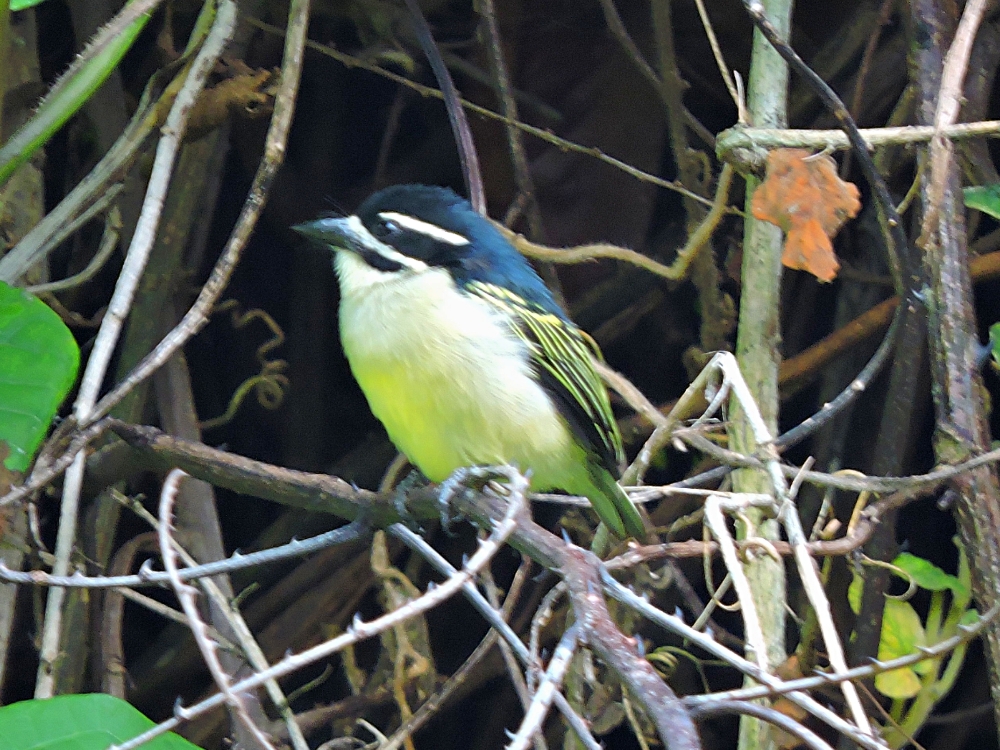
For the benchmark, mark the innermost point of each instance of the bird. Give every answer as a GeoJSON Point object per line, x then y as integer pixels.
{"type": "Point", "coordinates": [464, 355]}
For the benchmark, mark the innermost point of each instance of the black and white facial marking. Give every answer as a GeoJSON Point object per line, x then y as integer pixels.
{"type": "Point", "coordinates": [430, 224]}
{"type": "Point", "coordinates": [417, 239]}
{"type": "Point", "coordinates": [351, 235]}
{"type": "Point", "coordinates": [376, 248]}
{"type": "Point", "coordinates": [393, 223]}
{"type": "Point", "coordinates": [437, 227]}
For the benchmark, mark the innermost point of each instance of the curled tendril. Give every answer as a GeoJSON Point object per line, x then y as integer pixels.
{"type": "Point", "coordinates": [271, 382]}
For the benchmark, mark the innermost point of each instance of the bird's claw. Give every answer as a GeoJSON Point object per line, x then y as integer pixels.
{"type": "Point", "coordinates": [468, 477]}
{"type": "Point", "coordinates": [399, 495]}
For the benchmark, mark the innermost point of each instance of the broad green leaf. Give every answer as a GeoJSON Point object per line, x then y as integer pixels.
{"type": "Point", "coordinates": [902, 631]}
{"type": "Point", "coordinates": [929, 576]}
{"type": "Point", "coordinates": [902, 634]}
{"type": "Point", "coordinates": [78, 722]}
{"type": "Point", "coordinates": [24, 4]}
{"type": "Point", "coordinates": [985, 198]}
{"type": "Point", "coordinates": [898, 684]}
{"type": "Point", "coordinates": [38, 363]}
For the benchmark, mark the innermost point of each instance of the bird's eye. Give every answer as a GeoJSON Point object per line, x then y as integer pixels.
{"type": "Point", "coordinates": [386, 228]}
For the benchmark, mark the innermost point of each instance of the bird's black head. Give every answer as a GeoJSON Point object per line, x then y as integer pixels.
{"type": "Point", "coordinates": [431, 224]}
{"type": "Point", "coordinates": [438, 227]}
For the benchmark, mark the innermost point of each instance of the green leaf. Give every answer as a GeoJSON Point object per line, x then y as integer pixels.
{"type": "Point", "coordinates": [24, 4]}
{"type": "Point", "coordinates": [38, 363]}
{"type": "Point", "coordinates": [994, 343]}
{"type": "Point", "coordinates": [902, 634]}
{"type": "Point", "coordinates": [65, 98]}
{"type": "Point", "coordinates": [962, 600]}
{"type": "Point", "coordinates": [985, 198]}
{"type": "Point", "coordinates": [854, 592]}
{"type": "Point", "coordinates": [902, 631]}
{"type": "Point", "coordinates": [969, 617]}
{"type": "Point", "coordinates": [929, 576]}
{"type": "Point", "coordinates": [78, 722]}
{"type": "Point", "coordinates": [898, 684]}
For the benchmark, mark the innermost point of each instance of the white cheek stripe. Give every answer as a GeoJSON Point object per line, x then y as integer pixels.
{"type": "Point", "coordinates": [425, 227]}
{"type": "Point", "coordinates": [414, 264]}
{"type": "Point", "coordinates": [386, 251]}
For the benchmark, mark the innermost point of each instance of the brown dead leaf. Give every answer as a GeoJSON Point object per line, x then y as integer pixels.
{"type": "Point", "coordinates": [803, 194]}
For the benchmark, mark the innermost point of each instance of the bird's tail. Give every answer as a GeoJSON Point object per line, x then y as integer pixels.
{"type": "Point", "coordinates": [613, 506]}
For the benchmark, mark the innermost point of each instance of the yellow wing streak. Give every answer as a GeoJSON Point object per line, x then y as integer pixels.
{"type": "Point", "coordinates": [560, 349]}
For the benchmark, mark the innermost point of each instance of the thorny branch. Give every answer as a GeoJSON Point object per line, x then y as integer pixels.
{"type": "Point", "coordinates": [585, 575]}
{"type": "Point", "coordinates": [186, 595]}
{"type": "Point", "coordinates": [505, 525]}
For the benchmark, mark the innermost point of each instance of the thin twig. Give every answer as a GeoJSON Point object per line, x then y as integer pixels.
{"type": "Point", "coordinates": [238, 627]}
{"type": "Point", "coordinates": [716, 522]}
{"type": "Point", "coordinates": [148, 577]}
{"type": "Point", "coordinates": [518, 157]}
{"type": "Point", "coordinates": [770, 715]}
{"type": "Point", "coordinates": [948, 105]}
{"type": "Point", "coordinates": [708, 643]}
{"type": "Point", "coordinates": [853, 483]}
{"type": "Point", "coordinates": [167, 613]}
{"type": "Point", "coordinates": [674, 272]}
{"type": "Point", "coordinates": [274, 152]}
{"type": "Point", "coordinates": [114, 318]}
{"type": "Point", "coordinates": [966, 634]}
{"type": "Point", "coordinates": [46, 470]}
{"type": "Point", "coordinates": [541, 618]}
{"type": "Point", "coordinates": [720, 61]}
{"type": "Point", "coordinates": [432, 705]}
{"type": "Point", "coordinates": [540, 133]}
{"type": "Point", "coordinates": [456, 114]}
{"type": "Point", "coordinates": [632, 395]}
{"type": "Point", "coordinates": [730, 140]}
{"type": "Point", "coordinates": [109, 241]}
{"type": "Point", "coordinates": [497, 622]}
{"type": "Point", "coordinates": [664, 430]}
{"type": "Point", "coordinates": [360, 630]}
{"type": "Point", "coordinates": [531, 724]}
{"type": "Point", "coordinates": [185, 595]}
{"type": "Point", "coordinates": [619, 32]}
{"type": "Point", "coordinates": [788, 515]}
{"type": "Point", "coordinates": [517, 677]}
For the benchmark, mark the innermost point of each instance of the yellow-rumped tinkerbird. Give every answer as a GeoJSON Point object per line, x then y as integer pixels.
{"type": "Point", "coordinates": [464, 355]}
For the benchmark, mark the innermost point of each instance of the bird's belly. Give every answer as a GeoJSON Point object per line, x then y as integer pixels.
{"type": "Point", "coordinates": [453, 387]}
{"type": "Point", "coordinates": [443, 421]}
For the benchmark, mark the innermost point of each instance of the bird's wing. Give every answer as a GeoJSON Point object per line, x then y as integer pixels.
{"type": "Point", "coordinates": [562, 357]}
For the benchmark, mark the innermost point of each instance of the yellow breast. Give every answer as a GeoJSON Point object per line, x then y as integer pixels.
{"type": "Point", "coordinates": [448, 379]}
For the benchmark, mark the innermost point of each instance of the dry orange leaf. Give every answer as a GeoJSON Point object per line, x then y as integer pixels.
{"type": "Point", "coordinates": [803, 194]}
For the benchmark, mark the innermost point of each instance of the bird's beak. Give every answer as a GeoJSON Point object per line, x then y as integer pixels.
{"type": "Point", "coordinates": [351, 235]}
{"type": "Point", "coordinates": [340, 233]}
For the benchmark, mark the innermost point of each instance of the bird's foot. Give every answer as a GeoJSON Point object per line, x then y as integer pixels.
{"type": "Point", "coordinates": [402, 490]}
{"type": "Point", "coordinates": [474, 478]}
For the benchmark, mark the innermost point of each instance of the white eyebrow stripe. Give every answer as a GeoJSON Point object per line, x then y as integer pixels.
{"type": "Point", "coordinates": [425, 227]}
